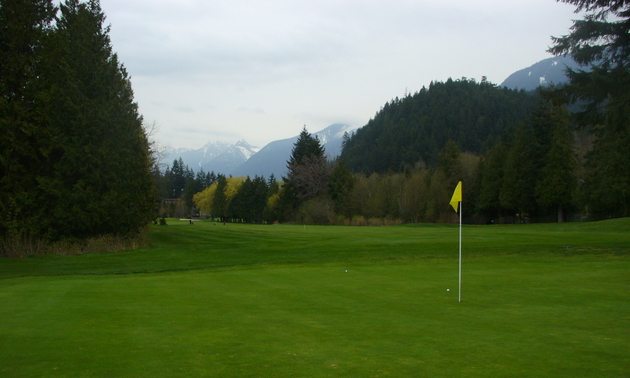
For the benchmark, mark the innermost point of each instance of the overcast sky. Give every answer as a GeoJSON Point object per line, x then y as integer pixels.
{"type": "Point", "coordinates": [224, 70]}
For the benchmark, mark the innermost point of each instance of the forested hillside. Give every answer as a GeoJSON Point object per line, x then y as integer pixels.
{"type": "Point", "coordinates": [415, 128]}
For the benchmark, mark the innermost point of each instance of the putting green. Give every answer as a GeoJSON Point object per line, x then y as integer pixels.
{"type": "Point", "coordinates": [521, 316]}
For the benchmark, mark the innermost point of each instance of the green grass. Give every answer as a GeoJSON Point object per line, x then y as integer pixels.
{"type": "Point", "coordinates": [276, 301]}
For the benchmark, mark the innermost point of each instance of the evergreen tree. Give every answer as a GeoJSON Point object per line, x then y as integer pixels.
{"type": "Point", "coordinates": [607, 183]}
{"type": "Point", "coordinates": [491, 173]}
{"type": "Point", "coordinates": [305, 146]}
{"type": "Point", "coordinates": [250, 200]}
{"type": "Point", "coordinates": [238, 207]}
{"type": "Point", "coordinates": [519, 174]}
{"type": "Point", "coordinates": [191, 188]}
{"type": "Point", "coordinates": [219, 200]}
{"type": "Point", "coordinates": [205, 179]}
{"type": "Point", "coordinates": [308, 170]}
{"type": "Point", "coordinates": [600, 42]}
{"type": "Point", "coordinates": [557, 183]}
{"type": "Point", "coordinates": [449, 162]}
{"type": "Point", "coordinates": [339, 188]}
{"type": "Point", "coordinates": [94, 172]}
{"type": "Point", "coordinates": [102, 176]}
{"type": "Point", "coordinates": [260, 196]}
{"type": "Point", "coordinates": [178, 174]}
{"type": "Point", "coordinates": [273, 185]}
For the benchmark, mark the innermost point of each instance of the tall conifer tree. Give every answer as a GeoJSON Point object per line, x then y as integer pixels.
{"type": "Point", "coordinates": [102, 176]}
{"type": "Point", "coordinates": [87, 152]}
{"type": "Point", "coordinates": [519, 175]}
{"type": "Point", "coordinates": [600, 42]}
{"type": "Point", "coordinates": [557, 181]}
{"type": "Point", "coordinates": [308, 173]}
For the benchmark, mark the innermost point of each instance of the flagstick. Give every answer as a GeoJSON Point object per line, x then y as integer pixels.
{"type": "Point", "coordinates": [456, 200]}
{"type": "Point", "coordinates": [460, 252]}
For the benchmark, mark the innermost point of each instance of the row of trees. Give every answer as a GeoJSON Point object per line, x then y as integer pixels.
{"type": "Point", "coordinates": [534, 172]}
{"type": "Point", "coordinates": [259, 199]}
{"type": "Point", "coordinates": [74, 157]}
{"type": "Point", "coordinates": [238, 199]}
{"type": "Point", "coordinates": [176, 186]}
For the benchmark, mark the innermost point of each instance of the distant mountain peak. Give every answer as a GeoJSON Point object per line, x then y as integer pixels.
{"type": "Point", "coordinates": [332, 133]}
{"type": "Point", "coordinates": [546, 72]}
{"type": "Point", "coordinates": [272, 158]}
{"type": "Point", "coordinates": [243, 159]}
{"type": "Point", "coordinates": [246, 149]}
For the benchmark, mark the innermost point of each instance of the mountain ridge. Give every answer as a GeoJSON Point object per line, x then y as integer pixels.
{"type": "Point", "coordinates": [242, 159]}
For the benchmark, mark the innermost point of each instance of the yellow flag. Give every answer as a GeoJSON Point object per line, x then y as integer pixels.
{"type": "Point", "coordinates": [457, 196]}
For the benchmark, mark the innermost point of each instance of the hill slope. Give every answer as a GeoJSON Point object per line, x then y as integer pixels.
{"type": "Point", "coordinates": [415, 128]}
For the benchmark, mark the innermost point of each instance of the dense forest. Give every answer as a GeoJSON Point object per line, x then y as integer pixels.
{"type": "Point", "coordinates": [412, 130]}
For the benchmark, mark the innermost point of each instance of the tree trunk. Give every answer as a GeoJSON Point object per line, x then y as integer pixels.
{"type": "Point", "coordinates": [560, 214]}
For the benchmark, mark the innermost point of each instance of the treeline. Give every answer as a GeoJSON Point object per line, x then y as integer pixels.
{"type": "Point", "coordinates": [533, 172]}
{"type": "Point", "coordinates": [75, 160]}
{"type": "Point", "coordinates": [239, 199]}
{"type": "Point", "coordinates": [542, 169]}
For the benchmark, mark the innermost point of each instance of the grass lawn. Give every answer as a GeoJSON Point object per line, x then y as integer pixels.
{"type": "Point", "coordinates": [276, 301]}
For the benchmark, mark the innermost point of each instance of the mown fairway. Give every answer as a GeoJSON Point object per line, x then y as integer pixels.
{"type": "Point", "coordinates": [276, 301]}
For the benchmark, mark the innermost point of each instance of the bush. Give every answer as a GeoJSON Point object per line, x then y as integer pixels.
{"type": "Point", "coordinates": [317, 211]}
{"type": "Point", "coordinates": [20, 247]}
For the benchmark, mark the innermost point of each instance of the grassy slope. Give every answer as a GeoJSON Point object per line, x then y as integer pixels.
{"type": "Point", "coordinates": [251, 301]}
{"type": "Point", "coordinates": [181, 246]}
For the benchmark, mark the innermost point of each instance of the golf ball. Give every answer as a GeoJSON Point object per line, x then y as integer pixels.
{"type": "Point", "coordinates": [448, 289]}
{"type": "Point", "coordinates": [346, 270]}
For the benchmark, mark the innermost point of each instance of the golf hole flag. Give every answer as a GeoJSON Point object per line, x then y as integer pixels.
{"type": "Point", "coordinates": [455, 201]}
{"type": "Point", "coordinates": [457, 196]}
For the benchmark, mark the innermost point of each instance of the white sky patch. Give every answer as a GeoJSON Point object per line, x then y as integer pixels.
{"type": "Point", "coordinates": [228, 70]}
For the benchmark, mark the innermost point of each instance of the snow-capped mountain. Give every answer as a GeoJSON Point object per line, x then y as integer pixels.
{"type": "Point", "coordinates": [546, 72]}
{"type": "Point", "coordinates": [213, 156]}
{"type": "Point", "coordinates": [242, 159]}
{"type": "Point", "coordinates": [230, 158]}
{"type": "Point", "coordinates": [332, 138]}
{"type": "Point", "coordinates": [195, 159]}
{"type": "Point", "coordinates": [272, 159]}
